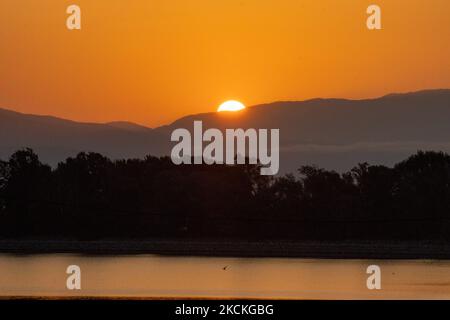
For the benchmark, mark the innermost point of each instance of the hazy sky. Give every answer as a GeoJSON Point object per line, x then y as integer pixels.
{"type": "Point", "coordinates": [152, 61]}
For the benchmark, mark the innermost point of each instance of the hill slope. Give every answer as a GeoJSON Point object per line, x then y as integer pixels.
{"type": "Point", "coordinates": [339, 133]}
{"type": "Point", "coordinates": [55, 139]}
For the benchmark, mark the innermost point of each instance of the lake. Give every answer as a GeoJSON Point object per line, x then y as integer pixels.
{"type": "Point", "coordinates": [150, 276]}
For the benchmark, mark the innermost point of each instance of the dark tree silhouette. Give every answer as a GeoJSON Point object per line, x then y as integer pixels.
{"type": "Point", "coordinates": [92, 197]}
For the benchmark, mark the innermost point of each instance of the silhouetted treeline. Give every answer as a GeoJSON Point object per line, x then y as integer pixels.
{"type": "Point", "coordinates": [92, 197]}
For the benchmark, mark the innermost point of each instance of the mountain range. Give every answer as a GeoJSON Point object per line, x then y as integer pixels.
{"type": "Point", "coordinates": [332, 133]}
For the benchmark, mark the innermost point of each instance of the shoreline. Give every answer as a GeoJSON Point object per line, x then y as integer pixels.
{"type": "Point", "coordinates": [244, 249]}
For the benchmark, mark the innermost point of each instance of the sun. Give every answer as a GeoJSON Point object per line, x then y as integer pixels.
{"type": "Point", "coordinates": [231, 105]}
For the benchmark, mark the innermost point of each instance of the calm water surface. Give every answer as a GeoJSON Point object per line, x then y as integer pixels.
{"type": "Point", "coordinates": [149, 276]}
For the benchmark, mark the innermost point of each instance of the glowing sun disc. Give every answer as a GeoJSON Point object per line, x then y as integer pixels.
{"type": "Point", "coordinates": [231, 105]}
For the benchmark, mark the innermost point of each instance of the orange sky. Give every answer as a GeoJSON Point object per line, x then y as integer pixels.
{"type": "Point", "coordinates": [152, 61]}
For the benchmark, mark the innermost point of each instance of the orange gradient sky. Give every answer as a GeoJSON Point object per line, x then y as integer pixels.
{"type": "Point", "coordinates": [152, 61]}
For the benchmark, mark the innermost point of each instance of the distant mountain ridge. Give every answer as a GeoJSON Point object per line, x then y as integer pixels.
{"type": "Point", "coordinates": [334, 133]}
{"type": "Point", "coordinates": [55, 139]}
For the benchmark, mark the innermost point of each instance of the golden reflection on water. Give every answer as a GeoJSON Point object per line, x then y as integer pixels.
{"type": "Point", "coordinates": [149, 276]}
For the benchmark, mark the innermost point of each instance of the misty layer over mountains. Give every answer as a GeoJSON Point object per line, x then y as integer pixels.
{"type": "Point", "coordinates": [330, 133]}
